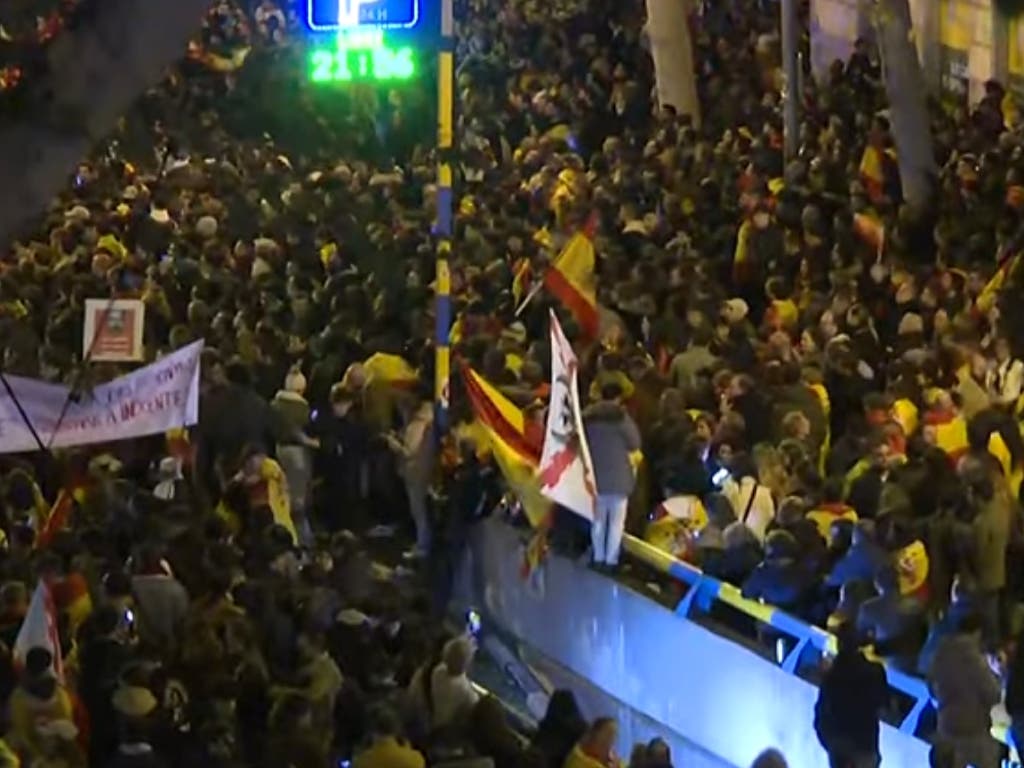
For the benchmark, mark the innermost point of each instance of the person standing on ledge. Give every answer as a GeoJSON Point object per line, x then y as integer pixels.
{"type": "Point", "coordinates": [614, 442]}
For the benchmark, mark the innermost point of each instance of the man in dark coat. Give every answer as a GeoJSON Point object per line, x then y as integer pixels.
{"type": "Point", "coordinates": [851, 697]}
{"type": "Point", "coordinates": [341, 461]}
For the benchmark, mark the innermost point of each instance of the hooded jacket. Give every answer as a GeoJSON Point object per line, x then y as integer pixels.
{"type": "Point", "coordinates": [612, 436]}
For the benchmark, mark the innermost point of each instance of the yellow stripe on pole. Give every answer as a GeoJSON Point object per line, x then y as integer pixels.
{"type": "Point", "coordinates": [444, 274]}
{"type": "Point", "coordinates": [444, 175]}
{"type": "Point", "coordinates": [446, 98]}
{"type": "Point", "coordinates": [442, 375]}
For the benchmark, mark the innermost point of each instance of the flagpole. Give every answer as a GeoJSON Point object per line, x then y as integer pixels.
{"type": "Point", "coordinates": [445, 214]}
{"type": "Point", "coordinates": [530, 297]}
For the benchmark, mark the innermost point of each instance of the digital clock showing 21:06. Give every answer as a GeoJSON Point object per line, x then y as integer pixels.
{"type": "Point", "coordinates": [361, 57]}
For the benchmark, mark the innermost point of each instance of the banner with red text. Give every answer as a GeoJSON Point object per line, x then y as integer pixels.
{"type": "Point", "coordinates": [149, 401]}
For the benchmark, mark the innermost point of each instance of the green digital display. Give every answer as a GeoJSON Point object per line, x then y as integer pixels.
{"type": "Point", "coordinates": [361, 56]}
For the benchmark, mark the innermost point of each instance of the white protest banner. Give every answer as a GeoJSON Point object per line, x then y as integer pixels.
{"type": "Point", "coordinates": [566, 471]}
{"type": "Point", "coordinates": [113, 330]}
{"type": "Point", "coordinates": [151, 400]}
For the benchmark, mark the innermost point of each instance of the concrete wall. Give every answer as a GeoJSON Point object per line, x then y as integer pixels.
{"type": "Point", "coordinates": [706, 688]}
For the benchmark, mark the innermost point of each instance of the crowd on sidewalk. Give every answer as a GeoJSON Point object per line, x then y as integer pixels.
{"type": "Point", "coordinates": [795, 384]}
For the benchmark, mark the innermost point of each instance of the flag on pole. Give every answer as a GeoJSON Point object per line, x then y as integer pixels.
{"type": "Point", "coordinates": [522, 278]}
{"type": "Point", "coordinates": [572, 280]}
{"type": "Point", "coordinates": [566, 471]}
{"type": "Point", "coordinates": [58, 518]}
{"type": "Point", "coordinates": [516, 450]}
{"type": "Point", "coordinates": [1007, 266]}
{"type": "Point", "coordinates": [39, 630]}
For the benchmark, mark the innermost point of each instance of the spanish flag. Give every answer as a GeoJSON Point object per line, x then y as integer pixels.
{"type": "Point", "coordinates": [876, 170]}
{"type": "Point", "coordinates": [571, 279]}
{"type": "Point", "coordinates": [515, 448]}
{"type": "Point", "coordinates": [870, 230]}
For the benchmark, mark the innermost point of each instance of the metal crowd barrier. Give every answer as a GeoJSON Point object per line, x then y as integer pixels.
{"type": "Point", "coordinates": [704, 591]}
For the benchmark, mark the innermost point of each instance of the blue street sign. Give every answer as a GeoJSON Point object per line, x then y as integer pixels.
{"type": "Point", "coordinates": [331, 15]}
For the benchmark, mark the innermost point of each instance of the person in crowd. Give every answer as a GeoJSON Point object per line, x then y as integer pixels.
{"type": "Point", "coordinates": [1004, 379]}
{"type": "Point", "coordinates": [781, 579]}
{"type": "Point", "coordinates": [770, 758]}
{"type": "Point", "coordinates": [292, 409]}
{"type": "Point", "coordinates": [965, 689]}
{"type": "Point", "coordinates": [597, 747]}
{"type": "Point", "coordinates": [386, 748]}
{"type": "Point", "coordinates": [341, 462]}
{"type": "Point", "coordinates": [993, 515]}
{"type": "Point", "coordinates": [696, 359]}
{"type": "Point", "coordinates": [851, 697]}
{"type": "Point", "coordinates": [893, 622]}
{"type": "Point", "coordinates": [659, 755]}
{"type": "Point", "coordinates": [864, 375]}
{"type": "Point", "coordinates": [751, 501]}
{"type": "Point", "coordinates": [492, 735]}
{"type": "Point", "coordinates": [161, 602]}
{"type": "Point", "coordinates": [962, 604]}
{"type": "Point", "coordinates": [559, 730]}
{"type": "Point", "coordinates": [40, 702]}
{"type": "Point", "coordinates": [452, 695]}
{"type": "Point", "coordinates": [614, 444]}
{"type": "Point", "coordinates": [415, 451]}
{"type": "Point", "coordinates": [863, 560]}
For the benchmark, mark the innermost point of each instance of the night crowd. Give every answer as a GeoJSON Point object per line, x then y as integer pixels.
{"type": "Point", "coordinates": [826, 401]}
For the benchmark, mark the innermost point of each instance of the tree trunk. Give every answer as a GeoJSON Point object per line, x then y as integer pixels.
{"type": "Point", "coordinates": [908, 105]}
{"type": "Point", "coordinates": [95, 73]}
{"type": "Point", "coordinates": [668, 29]}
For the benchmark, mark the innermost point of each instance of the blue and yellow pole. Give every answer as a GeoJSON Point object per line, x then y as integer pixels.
{"type": "Point", "coordinates": [445, 214]}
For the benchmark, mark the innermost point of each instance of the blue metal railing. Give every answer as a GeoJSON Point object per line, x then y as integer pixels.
{"type": "Point", "coordinates": [704, 591]}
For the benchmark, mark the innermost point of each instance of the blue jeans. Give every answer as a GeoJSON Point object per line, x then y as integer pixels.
{"type": "Point", "coordinates": [609, 524]}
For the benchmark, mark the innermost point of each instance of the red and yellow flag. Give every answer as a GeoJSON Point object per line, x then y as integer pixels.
{"type": "Point", "coordinates": [869, 228]}
{"type": "Point", "coordinates": [515, 447]}
{"type": "Point", "coordinates": [874, 170]}
{"type": "Point", "coordinates": [572, 280]}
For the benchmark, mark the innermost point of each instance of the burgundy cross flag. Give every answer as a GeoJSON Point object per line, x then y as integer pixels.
{"type": "Point", "coordinates": [566, 472]}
